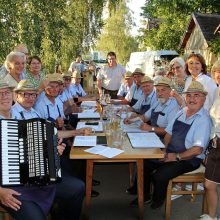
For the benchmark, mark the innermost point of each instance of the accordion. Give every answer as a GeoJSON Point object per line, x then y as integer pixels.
{"type": "Point", "coordinates": [28, 152]}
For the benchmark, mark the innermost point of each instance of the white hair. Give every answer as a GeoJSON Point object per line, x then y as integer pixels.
{"type": "Point", "coordinates": [11, 56]}
{"type": "Point", "coordinates": [178, 60]}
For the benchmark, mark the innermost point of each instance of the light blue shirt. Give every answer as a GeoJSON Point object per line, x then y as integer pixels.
{"type": "Point", "coordinates": [77, 90]}
{"type": "Point", "coordinates": [68, 93]}
{"type": "Point", "coordinates": [135, 93]}
{"type": "Point", "coordinates": [124, 88]}
{"type": "Point", "coordinates": [18, 111]}
{"type": "Point", "coordinates": [170, 108]}
{"type": "Point", "coordinates": [199, 132]}
{"type": "Point", "coordinates": [41, 108]}
{"type": "Point", "coordinates": [145, 100]}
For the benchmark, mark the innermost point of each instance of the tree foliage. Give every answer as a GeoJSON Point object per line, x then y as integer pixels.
{"type": "Point", "coordinates": [116, 35]}
{"type": "Point", "coordinates": [174, 16]}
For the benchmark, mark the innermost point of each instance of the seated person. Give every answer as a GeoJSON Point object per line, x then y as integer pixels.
{"type": "Point", "coordinates": [186, 139]}
{"type": "Point", "coordinates": [135, 93]}
{"type": "Point", "coordinates": [149, 98]}
{"type": "Point", "coordinates": [161, 112]}
{"type": "Point", "coordinates": [126, 85]}
{"type": "Point", "coordinates": [22, 202]}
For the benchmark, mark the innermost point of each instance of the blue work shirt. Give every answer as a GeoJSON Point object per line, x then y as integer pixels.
{"type": "Point", "coordinates": [199, 132]}
{"type": "Point", "coordinates": [124, 89]}
{"type": "Point", "coordinates": [169, 110]}
{"type": "Point", "coordinates": [135, 93]}
{"type": "Point", "coordinates": [77, 90]}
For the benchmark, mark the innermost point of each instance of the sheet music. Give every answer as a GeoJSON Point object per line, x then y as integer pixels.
{"type": "Point", "coordinates": [96, 128]}
{"type": "Point", "coordinates": [145, 140]}
{"type": "Point", "coordinates": [132, 128]}
{"type": "Point", "coordinates": [85, 141]}
{"type": "Point", "coordinates": [89, 114]}
{"type": "Point", "coordinates": [89, 103]}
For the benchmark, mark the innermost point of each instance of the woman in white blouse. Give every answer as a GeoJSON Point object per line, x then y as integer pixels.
{"type": "Point", "coordinates": [212, 173]}
{"type": "Point", "coordinates": [197, 70]}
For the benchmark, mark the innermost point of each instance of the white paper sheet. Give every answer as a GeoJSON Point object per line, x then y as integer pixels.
{"type": "Point", "coordinates": [88, 115]}
{"type": "Point", "coordinates": [145, 140]}
{"type": "Point", "coordinates": [85, 141]}
{"type": "Point", "coordinates": [96, 128]}
{"type": "Point", "coordinates": [108, 152]}
{"type": "Point", "coordinates": [132, 128]}
{"type": "Point", "coordinates": [89, 103]}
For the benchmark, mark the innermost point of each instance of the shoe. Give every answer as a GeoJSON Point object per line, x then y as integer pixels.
{"type": "Point", "coordinates": [95, 182]}
{"type": "Point", "coordinates": [156, 205]}
{"type": "Point", "coordinates": [207, 217]}
{"type": "Point", "coordinates": [176, 188]}
{"type": "Point", "coordinates": [200, 186]}
{"type": "Point", "coordinates": [132, 190]}
{"type": "Point", "coordinates": [147, 200]}
{"type": "Point", "coordinates": [94, 193]}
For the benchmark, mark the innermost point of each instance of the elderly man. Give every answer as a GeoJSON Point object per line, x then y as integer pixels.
{"type": "Point", "coordinates": [110, 76]}
{"type": "Point", "coordinates": [186, 139]}
{"type": "Point", "coordinates": [162, 111]}
{"type": "Point", "coordinates": [126, 86]}
{"type": "Point", "coordinates": [149, 96]}
{"type": "Point", "coordinates": [136, 92]}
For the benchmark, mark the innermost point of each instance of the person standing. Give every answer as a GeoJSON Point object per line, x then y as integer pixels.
{"type": "Point", "coordinates": [110, 76]}
{"type": "Point", "coordinates": [212, 174]}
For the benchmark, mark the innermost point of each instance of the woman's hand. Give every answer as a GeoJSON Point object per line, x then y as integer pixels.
{"type": "Point", "coordinates": [7, 198]}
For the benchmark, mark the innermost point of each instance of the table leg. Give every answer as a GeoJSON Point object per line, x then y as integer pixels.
{"type": "Point", "coordinates": [140, 183]}
{"type": "Point", "coordinates": [89, 174]}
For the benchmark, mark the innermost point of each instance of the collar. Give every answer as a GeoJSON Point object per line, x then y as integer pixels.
{"type": "Point", "coordinates": [200, 113]}
{"type": "Point", "coordinates": [19, 108]}
{"type": "Point", "coordinates": [48, 102]}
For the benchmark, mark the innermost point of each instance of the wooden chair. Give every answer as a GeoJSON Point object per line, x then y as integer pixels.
{"type": "Point", "coordinates": [5, 214]}
{"type": "Point", "coordinates": [194, 177]}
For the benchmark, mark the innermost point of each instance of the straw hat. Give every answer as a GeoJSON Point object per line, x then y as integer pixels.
{"type": "Point", "coordinates": [196, 87]}
{"type": "Point", "coordinates": [25, 85]}
{"type": "Point", "coordinates": [76, 74]}
{"type": "Point", "coordinates": [164, 81]}
{"type": "Point", "coordinates": [128, 75]}
{"type": "Point", "coordinates": [55, 77]}
{"type": "Point", "coordinates": [67, 74]}
{"type": "Point", "coordinates": [4, 84]}
{"type": "Point", "coordinates": [147, 79]}
{"type": "Point", "coordinates": [138, 71]}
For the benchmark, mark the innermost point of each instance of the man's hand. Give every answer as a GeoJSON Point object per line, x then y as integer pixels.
{"type": "Point", "coordinates": [84, 131]}
{"type": "Point", "coordinates": [146, 127]}
{"type": "Point", "coordinates": [61, 147]}
{"type": "Point", "coordinates": [170, 157]}
{"type": "Point", "coordinates": [7, 198]}
{"type": "Point", "coordinates": [59, 122]}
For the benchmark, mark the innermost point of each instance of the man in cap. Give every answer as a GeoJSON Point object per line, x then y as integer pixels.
{"type": "Point", "coordinates": [110, 76]}
{"type": "Point", "coordinates": [162, 111]}
{"type": "Point", "coordinates": [126, 86]}
{"type": "Point", "coordinates": [149, 96]}
{"type": "Point", "coordinates": [49, 107]}
{"type": "Point", "coordinates": [136, 92]}
{"type": "Point", "coordinates": [186, 139]}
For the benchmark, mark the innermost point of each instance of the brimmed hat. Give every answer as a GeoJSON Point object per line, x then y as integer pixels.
{"type": "Point", "coordinates": [76, 74]}
{"type": "Point", "coordinates": [25, 85]}
{"type": "Point", "coordinates": [128, 75]}
{"type": "Point", "coordinates": [138, 71]}
{"type": "Point", "coordinates": [67, 74]}
{"type": "Point", "coordinates": [147, 79]}
{"type": "Point", "coordinates": [164, 81]}
{"type": "Point", "coordinates": [4, 84]}
{"type": "Point", "coordinates": [196, 87]}
{"type": "Point", "coordinates": [55, 77]}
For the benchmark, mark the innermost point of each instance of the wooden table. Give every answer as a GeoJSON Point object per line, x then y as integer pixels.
{"type": "Point", "coordinates": [129, 155]}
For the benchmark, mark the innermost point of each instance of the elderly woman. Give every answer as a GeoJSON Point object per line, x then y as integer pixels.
{"type": "Point", "coordinates": [212, 173]}
{"type": "Point", "coordinates": [35, 73]}
{"type": "Point", "coordinates": [15, 64]}
{"type": "Point", "coordinates": [177, 67]}
{"type": "Point", "coordinates": [197, 71]}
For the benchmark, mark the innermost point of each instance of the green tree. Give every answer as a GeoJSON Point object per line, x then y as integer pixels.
{"type": "Point", "coordinates": [173, 18]}
{"type": "Point", "coordinates": [116, 35]}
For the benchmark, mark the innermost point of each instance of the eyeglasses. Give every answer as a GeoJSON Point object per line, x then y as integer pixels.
{"type": "Point", "coordinates": [67, 79]}
{"type": "Point", "coordinates": [5, 94]}
{"type": "Point", "coordinates": [28, 95]}
{"type": "Point", "coordinates": [176, 68]}
{"type": "Point", "coordinates": [195, 96]}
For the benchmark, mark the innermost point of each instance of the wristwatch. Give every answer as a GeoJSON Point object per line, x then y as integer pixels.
{"type": "Point", "coordinates": [178, 157]}
{"type": "Point", "coordinates": [152, 128]}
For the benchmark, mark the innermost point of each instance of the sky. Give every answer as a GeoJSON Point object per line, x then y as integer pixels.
{"type": "Point", "coordinates": [135, 7]}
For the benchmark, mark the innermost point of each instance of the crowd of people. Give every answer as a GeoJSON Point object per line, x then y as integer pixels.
{"type": "Point", "coordinates": [180, 106]}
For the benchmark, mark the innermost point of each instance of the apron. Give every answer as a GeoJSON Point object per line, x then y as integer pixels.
{"type": "Point", "coordinates": [177, 142]}
{"type": "Point", "coordinates": [133, 100]}
{"type": "Point", "coordinates": [52, 119]}
{"type": "Point", "coordinates": [145, 108]}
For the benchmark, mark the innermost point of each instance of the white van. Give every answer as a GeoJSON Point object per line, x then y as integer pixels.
{"type": "Point", "coordinates": [148, 61]}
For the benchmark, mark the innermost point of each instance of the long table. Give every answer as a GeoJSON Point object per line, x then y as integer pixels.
{"type": "Point", "coordinates": [129, 155]}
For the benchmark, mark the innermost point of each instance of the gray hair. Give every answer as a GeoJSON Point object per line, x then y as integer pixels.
{"type": "Point", "coordinates": [215, 68]}
{"type": "Point", "coordinates": [11, 56]}
{"type": "Point", "coordinates": [177, 60]}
